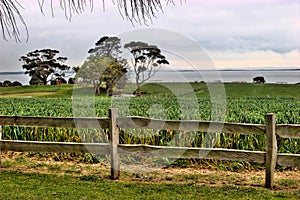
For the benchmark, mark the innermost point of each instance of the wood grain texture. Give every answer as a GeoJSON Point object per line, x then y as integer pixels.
{"type": "Point", "coordinates": [114, 136]}
{"type": "Point", "coordinates": [271, 149]}
{"type": "Point", "coordinates": [54, 147]}
{"type": "Point", "coordinates": [186, 152]}
{"type": "Point", "coordinates": [60, 122]}
{"type": "Point", "coordinates": [288, 160]}
{"type": "Point", "coordinates": [288, 130]}
{"type": "Point", "coordinates": [191, 125]}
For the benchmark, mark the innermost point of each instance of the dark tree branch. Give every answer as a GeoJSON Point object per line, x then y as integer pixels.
{"type": "Point", "coordinates": [140, 11]}
{"type": "Point", "coordinates": [10, 16]}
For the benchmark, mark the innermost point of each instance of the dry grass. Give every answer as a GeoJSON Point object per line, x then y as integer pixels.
{"type": "Point", "coordinates": [143, 173]}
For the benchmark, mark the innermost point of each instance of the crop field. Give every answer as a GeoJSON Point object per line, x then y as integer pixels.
{"type": "Point", "coordinates": [244, 110]}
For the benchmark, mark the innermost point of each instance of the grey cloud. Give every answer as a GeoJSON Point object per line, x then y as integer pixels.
{"type": "Point", "coordinates": [251, 44]}
{"type": "Point", "coordinates": [241, 26]}
{"type": "Point", "coordinates": [229, 26]}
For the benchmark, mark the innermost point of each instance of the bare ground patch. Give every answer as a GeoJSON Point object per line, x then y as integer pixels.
{"type": "Point", "coordinates": [209, 176]}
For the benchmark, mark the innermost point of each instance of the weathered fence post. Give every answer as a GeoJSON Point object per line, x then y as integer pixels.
{"type": "Point", "coordinates": [114, 135]}
{"type": "Point", "coordinates": [271, 149]}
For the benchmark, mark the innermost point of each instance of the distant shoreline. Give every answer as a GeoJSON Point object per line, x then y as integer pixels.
{"type": "Point", "coordinates": [191, 70]}
{"type": "Point", "coordinates": [22, 72]}
{"type": "Point", "coordinates": [11, 73]}
{"type": "Point", "coordinates": [289, 75]}
{"type": "Point", "coordinates": [228, 70]}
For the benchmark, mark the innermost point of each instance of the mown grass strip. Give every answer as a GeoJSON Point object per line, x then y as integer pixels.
{"type": "Point", "coordinates": [17, 185]}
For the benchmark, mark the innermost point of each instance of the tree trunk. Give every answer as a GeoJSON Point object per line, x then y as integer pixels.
{"type": "Point", "coordinates": [97, 90]}
{"type": "Point", "coordinates": [109, 87]}
{"type": "Point", "coordinates": [139, 93]}
{"type": "Point", "coordinates": [109, 92]}
{"type": "Point", "coordinates": [138, 85]}
{"type": "Point", "coordinates": [44, 81]}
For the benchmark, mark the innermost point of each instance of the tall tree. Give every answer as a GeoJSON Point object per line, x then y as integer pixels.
{"type": "Point", "coordinates": [43, 63]}
{"type": "Point", "coordinates": [133, 10]}
{"type": "Point", "coordinates": [147, 61]}
{"type": "Point", "coordinates": [104, 64]}
{"type": "Point", "coordinates": [107, 47]}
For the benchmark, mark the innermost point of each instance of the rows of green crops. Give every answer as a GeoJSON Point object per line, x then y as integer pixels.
{"type": "Point", "coordinates": [245, 110]}
{"type": "Point", "coordinates": [251, 110]}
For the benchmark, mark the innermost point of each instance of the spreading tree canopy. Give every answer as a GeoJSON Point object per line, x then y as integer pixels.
{"type": "Point", "coordinates": [41, 64]}
{"type": "Point", "coordinates": [104, 65]}
{"type": "Point", "coordinates": [147, 61]}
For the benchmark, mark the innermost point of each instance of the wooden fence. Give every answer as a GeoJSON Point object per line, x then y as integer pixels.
{"type": "Point", "coordinates": [270, 157]}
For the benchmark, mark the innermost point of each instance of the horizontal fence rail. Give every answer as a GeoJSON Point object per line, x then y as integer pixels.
{"type": "Point", "coordinates": [59, 122]}
{"type": "Point", "coordinates": [288, 130]}
{"type": "Point", "coordinates": [54, 147]}
{"type": "Point", "coordinates": [191, 125]}
{"type": "Point", "coordinates": [270, 157]}
{"type": "Point", "coordinates": [283, 159]}
{"type": "Point", "coordinates": [188, 152]}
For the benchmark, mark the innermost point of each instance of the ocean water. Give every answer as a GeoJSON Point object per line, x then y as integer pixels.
{"type": "Point", "coordinates": [271, 76]}
{"type": "Point", "coordinates": [23, 78]}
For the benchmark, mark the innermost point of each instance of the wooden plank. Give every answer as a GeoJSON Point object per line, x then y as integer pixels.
{"type": "Point", "coordinates": [60, 122]}
{"type": "Point", "coordinates": [186, 152]}
{"type": "Point", "coordinates": [114, 135]}
{"type": "Point", "coordinates": [288, 160]}
{"type": "Point", "coordinates": [54, 147]}
{"type": "Point", "coordinates": [288, 130]}
{"type": "Point", "coordinates": [191, 125]}
{"type": "Point", "coordinates": [271, 149]}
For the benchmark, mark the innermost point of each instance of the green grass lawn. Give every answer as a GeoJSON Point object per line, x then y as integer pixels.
{"type": "Point", "coordinates": [17, 185]}
{"type": "Point", "coordinates": [233, 90]}
{"type": "Point", "coordinates": [262, 90]}
{"type": "Point", "coordinates": [37, 91]}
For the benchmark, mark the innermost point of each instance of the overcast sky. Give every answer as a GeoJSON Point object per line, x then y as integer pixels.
{"type": "Point", "coordinates": [244, 33]}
